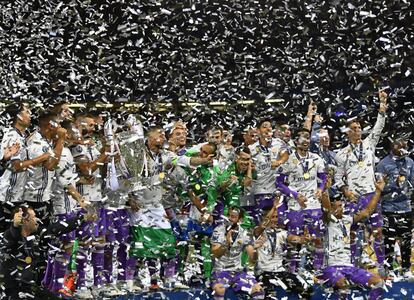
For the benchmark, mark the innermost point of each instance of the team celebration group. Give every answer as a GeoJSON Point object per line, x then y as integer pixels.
{"type": "Point", "coordinates": [94, 205]}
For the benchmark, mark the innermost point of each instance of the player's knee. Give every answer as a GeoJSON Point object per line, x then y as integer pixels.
{"type": "Point", "coordinates": [377, 233]}
{"type": "Point", "coordinates": [257, 288]}
{"type": "Point", "coordinates": [67, 249]}
{"type": "Point", "coordinates": [341, 283]}
{"type": "Point", "coordinates": [100, 240]}
{"type": "Point", "coordinates": [375, 281]}
{"type": "Point", "coordinates": [219, 289]}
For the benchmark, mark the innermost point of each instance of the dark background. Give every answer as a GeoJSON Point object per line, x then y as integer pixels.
{"type": "Point", "coordinates": [337, 53]}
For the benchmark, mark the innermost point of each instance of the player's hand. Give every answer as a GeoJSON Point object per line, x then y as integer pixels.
{"type": "Point", "coordinates": [134, 205]}
{"type": "Point", "coordinates": [318, 119]}
{"type": "Point", "coordinates": [328, 182]}
{"type": "Point", "coordinates": [383, 96]}
{"type": "Point", "coordinates": [318, 193]}
{"type": "Point", "coordinates": [83, 203]}
{"type": "Point", "coordinates": [276, 201]}
{"type": "Point", "coordinates": [229, 238]}
{"type": "Point", "coordinates": [312, 108]}
{"type": "Point", "coordinates": [380, 184]}
{"type": "Point", "coordinates": [18, 218]}
{"type": "Point", "coordinates": [276, 163]}
{"type": "Point", "coordinates": [11, 151]}
{"type": "Point", "coordinates": [259, 242]}
{"type": "Point", "coordinates": [302, 200]}
{"type": "Point", "coordinates": [90, 216]}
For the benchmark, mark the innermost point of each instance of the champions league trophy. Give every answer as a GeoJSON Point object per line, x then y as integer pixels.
{"type": "Point", "coordinates": [132, 149]}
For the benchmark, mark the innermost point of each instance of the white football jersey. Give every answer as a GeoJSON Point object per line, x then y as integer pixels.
{"type": "Point", "coordinates": [262, 158]}
{"type": "Point", "coordinates": [65, 175]}
{"type": "Point", "coordinates": [356, 163]}
{"type": "Point", "coordinates": [89, 153]}
{"type": "Point", "coordinates": [337, 242]}
{"type": "Point", "coordinates": [272, 252]}
{"type": "Point", "coordinates": [12, 184]}
{"type": "Point", "coordinates": [39, 179]}
{"type": "Point", "coordinates": [231, 260]}
{"type": "Point", "coordinates": [305, 183]}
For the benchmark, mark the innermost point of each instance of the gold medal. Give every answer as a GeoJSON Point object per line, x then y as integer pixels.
{"type": "Point", "coordinates": [306, 176]}
{"type": "Point", "coordinates": [197, 187]}
{"type": "Point", "coordinates": [361, 163]}
{"type": "Point", "coordinates": [401, 178]}
{"type": "Point", "coordinates": [28, 260]}
{"type": "Point", "coordinates": [162, 175]}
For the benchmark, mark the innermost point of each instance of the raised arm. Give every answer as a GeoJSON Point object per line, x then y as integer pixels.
{"type": "Point", "coordinates": [309, 116]}
{"type": "Point", "coordinates": [372, 204]}
{"type": "Point", "coordinates": [375, 134]}
{"type": "Point", "coordinates": [258, 230]}
{"type": "Point", "coordinates": [283, 157]}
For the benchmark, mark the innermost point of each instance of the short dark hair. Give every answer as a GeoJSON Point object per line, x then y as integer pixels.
{"type": "Point", "coordinates": [244, 149]}
{"type": "Point", "coordinates": [212, 145]}
{"type": "Point", "coordinates": [216, 128]}
{"type": "Point", "coordinates": [236, 208]}
{"type": "Point", "coordinates": [45, 119]}
{"type": "Point", "coordinates": [57, 107]}
{"type": "Point", "coordinates": [353, 120]}
{"type": "Point", "coordinates": [300, 130]}
{"type": "Point", "coordinates": [154, 128]}
{"type": "Point", "coordinates": [13, 110]}
{"type": "Point", "coordinates": [264, 120]}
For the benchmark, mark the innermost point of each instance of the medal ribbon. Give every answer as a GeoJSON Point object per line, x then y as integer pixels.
{"type": "Point", "coordinates": [304, 163]}
{"type": "Point", "coordinates": [359, 153]}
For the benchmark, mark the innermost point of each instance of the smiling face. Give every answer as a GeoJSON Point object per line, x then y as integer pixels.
{"type": "Point", "coordinates": [157, 138]}
{"type": "Point", "coordinates": [24, 117]}
{"type": "Point", "coordinates": [399, 148]}
{"type": "Point", "coordinates": [250, 137]}
{"type": "Point", "coordinates": [234, 216]}
{"type": "Point", "coordinates": [242, 161]}
{"type": "Point", "coordinates": [303, 140]}
{"type": "Point", "coordinates": [206, 150]}
{"type": "Point", "coordinates": [354, 132]}
{"type": "Point", "coordinates": [215, 137]}
{"type": "Point", "coordinates": [179, 137]}
{"type": "Point", "coordinates": [324, 138]}
{"type": "Point", "coordinates": [266, 130]}
{"type": "Point", "coordinates": [285, 132]}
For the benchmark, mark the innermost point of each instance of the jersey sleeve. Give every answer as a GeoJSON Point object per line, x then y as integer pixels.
{"type": "Point", "coordinates": [374, 136]}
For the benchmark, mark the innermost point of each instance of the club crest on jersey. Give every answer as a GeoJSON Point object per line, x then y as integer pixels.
{"type": "Point", "coordinates": [45, 149]}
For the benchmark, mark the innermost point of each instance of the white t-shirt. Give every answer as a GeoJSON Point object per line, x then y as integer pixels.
{"type": "Point", "coordinates": [271, 253]}
{"type": "Point", "coordinates": [39, 179]}
{"type": "Point", "coordinates": [338, 243]}
{"type": "Point", "coordinates": [66, 175]}
{"type": "Point", "coordinates": [154, 173]}
{"type": "Point", "coordinates": [89, 153]}
{"type": "Point", "coordinates": [231, 260]}
{"type": "Point", "coordinates": [306, 185]}
{"type": "Point", "coordinates": [12, 184]}
{"type": "Point", "coordinates": [262, 158]}
{"type": "Point", "coordinates": [359, 176]}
